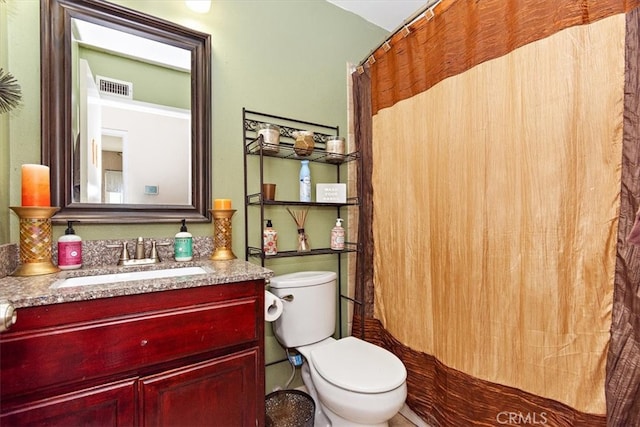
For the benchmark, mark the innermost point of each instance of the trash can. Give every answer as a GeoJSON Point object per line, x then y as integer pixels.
{"type": "Point", "coordinates": [289, 408]}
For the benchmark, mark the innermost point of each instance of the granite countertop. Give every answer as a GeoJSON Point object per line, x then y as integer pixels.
{"type": "Point", "coordinates": [36, 290]}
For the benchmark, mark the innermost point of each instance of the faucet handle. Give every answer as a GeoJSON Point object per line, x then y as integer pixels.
{"type": "Point", "coordinates": [124, 253]}
{"type": "Point", "coordinates": [154, 250]}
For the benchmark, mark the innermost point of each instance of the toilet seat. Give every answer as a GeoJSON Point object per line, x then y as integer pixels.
{"type": "Point", "coordinates": [359, 366]}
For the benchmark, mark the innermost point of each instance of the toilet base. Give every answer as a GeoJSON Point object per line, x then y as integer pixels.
{"type": "Point", "coordinates": [320, 419]}
{"type": "Point", "coordinates": [338, 421]}
{"type": "Point", "coordinates": [324, 417]}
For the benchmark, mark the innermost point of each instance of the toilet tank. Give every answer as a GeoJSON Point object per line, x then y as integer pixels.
{"type": "Point", "coordinates": [309, 315]}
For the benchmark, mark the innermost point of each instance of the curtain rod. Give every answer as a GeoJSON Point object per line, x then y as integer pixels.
{"type": "Point", "coordinates": [427, 7]}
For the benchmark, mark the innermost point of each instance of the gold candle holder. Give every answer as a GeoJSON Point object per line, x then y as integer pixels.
{"type": "Point", "coordinates": [36, 239]}
{"type": "Point", "coordinates": [222, 234]}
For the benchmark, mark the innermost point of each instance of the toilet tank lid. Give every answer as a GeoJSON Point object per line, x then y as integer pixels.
{"type": "Point", "coordinates": [302, 279]}
{"type": "Point", "coordinates": [356, 365]}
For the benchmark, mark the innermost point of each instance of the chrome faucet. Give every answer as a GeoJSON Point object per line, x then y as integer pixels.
{"type": "Point", "coordinates": [139, 257]}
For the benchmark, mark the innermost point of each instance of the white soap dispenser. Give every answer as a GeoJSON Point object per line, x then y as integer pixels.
{"type": "Point", "coordinates": [183, 244]}
{"type": "Point", "coordinates": [69, 249]}
{"type": "Point", "coordinates": [337, 236]}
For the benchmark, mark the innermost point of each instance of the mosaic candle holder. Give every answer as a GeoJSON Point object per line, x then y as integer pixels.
{"type": "Point", "coordinates": [222, 234]}
{"type": "Point", "coordinates": [36, 239]}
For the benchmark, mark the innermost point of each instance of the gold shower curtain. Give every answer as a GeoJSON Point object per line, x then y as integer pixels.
{"type": "Point", "coordinates": [496, 196]}
{"type": "Point", "coordinates": [508, 201]}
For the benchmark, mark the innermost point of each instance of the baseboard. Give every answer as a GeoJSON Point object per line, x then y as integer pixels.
{"type": "Point", "coordinates": [412, 416]}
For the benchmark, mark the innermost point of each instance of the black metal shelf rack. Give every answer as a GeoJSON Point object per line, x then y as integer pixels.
{"type": "Point", "coordinates": [254, 145]}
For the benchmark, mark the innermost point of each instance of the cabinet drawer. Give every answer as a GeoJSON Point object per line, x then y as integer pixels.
{"type": "Point", "coordinates": [109, 405]}
{"type": "Point", "coordinates": [126, 343]}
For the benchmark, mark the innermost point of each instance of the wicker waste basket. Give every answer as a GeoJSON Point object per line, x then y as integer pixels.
{"type": "Point", "coordinates": [289, 408]}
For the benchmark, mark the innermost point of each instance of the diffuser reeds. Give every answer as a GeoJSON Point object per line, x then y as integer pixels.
{"type": "Point", "coordinates": [300, 217]}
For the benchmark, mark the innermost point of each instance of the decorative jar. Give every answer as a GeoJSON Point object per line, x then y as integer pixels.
{"type": "Point", "coordinates": [270, 137]}
{"type": "Point", "coordinates": [304, 142]}
{"type": "Point", "coordinates": [335, 149]}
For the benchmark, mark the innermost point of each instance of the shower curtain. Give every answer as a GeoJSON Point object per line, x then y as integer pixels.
{"type": "Point", "coordinates": [493, 221]}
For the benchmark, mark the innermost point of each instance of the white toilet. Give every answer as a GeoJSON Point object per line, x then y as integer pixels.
{"type": "Point", "coordinates": [353, 382]}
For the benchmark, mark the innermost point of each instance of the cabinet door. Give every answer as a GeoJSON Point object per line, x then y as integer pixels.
{"type": "Point", "coordinates": [219, 392]}
{"type": "Point", "coordinates": [108, 405]}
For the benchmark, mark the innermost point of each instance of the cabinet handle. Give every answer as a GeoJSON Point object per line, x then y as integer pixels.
{"type": "Point", "coordinates": [9, 315]}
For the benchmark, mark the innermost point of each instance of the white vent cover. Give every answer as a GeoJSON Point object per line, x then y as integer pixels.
{"type": "Point", "coordinates": [109, 86]}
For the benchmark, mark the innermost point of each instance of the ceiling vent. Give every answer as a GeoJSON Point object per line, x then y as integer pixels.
{"type": "Point", "coordinates": [109, 86]}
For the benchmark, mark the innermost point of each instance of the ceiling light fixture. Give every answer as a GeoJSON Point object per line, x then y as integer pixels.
{"type": "Point", "coordinates": [199, 6]}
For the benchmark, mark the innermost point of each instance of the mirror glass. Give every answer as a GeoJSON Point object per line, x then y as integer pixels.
{"type": "Point", "coordinates": [126, 118]}
{"type": "Point", "coordinates": [117, 129]}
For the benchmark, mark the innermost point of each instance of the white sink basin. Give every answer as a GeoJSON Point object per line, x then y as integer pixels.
{"type": "Point", "coordinates": [128, 277]}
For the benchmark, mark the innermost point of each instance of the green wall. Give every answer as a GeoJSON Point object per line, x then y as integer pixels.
{"type": "Point", "coordinates": [283, 57]}
{"type": "Point", "coordinates": [4, 140]}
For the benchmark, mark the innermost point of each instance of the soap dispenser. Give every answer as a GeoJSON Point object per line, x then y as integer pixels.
{"type": "Point", "coordinates": [270, 239]}
{"type": "Point", "coordinates": [337, 236]}
{"type": "Point", "coordinates": [69, 249]}
{"type": "Point", "coordinates": [183, 244]}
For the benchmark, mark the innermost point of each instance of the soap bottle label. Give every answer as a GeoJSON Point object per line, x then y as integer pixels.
{"type": "Point", "coordinates": [183, 248]}
{"type": "Point", "coordinates": [70, 253]}
{"type": "Point", "coordinates": [270, 238]}
{"type": "Point", "coordinates": [337, 239]}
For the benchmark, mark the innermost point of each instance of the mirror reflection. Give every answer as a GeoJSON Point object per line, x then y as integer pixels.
{"type": "Point", "coordinates": [132, 118]}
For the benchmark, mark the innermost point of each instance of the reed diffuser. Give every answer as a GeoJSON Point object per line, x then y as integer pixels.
{"type": "Point", "coordinates": [299, 217]}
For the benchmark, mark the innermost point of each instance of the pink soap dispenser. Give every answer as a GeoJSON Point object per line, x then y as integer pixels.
{"type": "Point", "coordinates": [69, 249]}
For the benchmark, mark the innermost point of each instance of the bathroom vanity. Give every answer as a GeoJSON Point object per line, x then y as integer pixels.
{"type": "Point", "coordinates": [179, 351]}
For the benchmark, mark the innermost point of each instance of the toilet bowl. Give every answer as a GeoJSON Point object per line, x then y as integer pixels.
{"type": "Point", "coordinates": [353, 382]}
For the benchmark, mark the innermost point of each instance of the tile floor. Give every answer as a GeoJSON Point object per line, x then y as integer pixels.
{"type": "Point", "coordinates": [400, 421]}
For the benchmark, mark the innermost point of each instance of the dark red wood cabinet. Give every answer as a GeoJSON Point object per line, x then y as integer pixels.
{"type": "Point", "coordinates": [188, 357]}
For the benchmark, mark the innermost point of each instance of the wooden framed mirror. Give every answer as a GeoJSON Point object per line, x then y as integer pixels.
{"type": "Point", "coordinates": [104, 170]}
